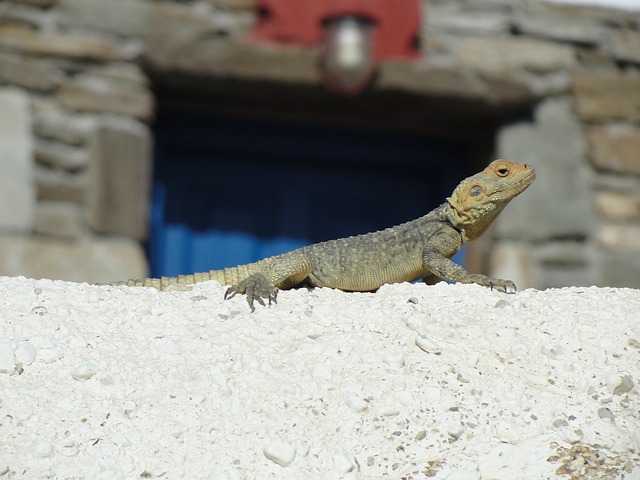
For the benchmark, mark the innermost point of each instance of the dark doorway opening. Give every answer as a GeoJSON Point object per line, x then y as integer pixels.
{"type": "Point", "coordinates": [230, 190]}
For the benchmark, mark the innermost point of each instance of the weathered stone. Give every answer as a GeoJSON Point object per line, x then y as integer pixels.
{"type": "Point", "coordinates": [120, 177]}
{"type": "Point", "coordinates": [509, 54]}
{"type": "Point", "coordinates": [557, 204]}
{"type": "Point", "coordinates": [618, 205]}
{"type": "Point", "coordinates": [562, 263]}
{"type": "Point", "coordinates": [616, 17]}
{"type": "Point", "coordinates": [547, 84]}
{"type": "Point", "coordinates": [615, 149]}
{"type": "Point", "coordinates": [95, 261]}
{"type": "Point", "coordinates": [60, 219]}
{"type": "Point", "coordinates": [559, 30]}
{"type": "Point", "coordinates": [604, 96]}
{"type": "Point", "coordinates": [74, 46]}
{"type": "Point", "coordinates": [451, 18]}
{"type": "Point", "coordinates": [128, 18]}
{"type": "Point", "coordinates": [89, 93]}
{"type": "Point", "coordinates": [550, 265]}
{"type": "Point", "coordinates": [60, 155]}
{"type": "Point", "coordinates": [60, 125]}
{"type": "Point", "coordinates": [60, 185]}
{"type": "Point", "coordinates": [39, 3]}
{"type": "Point", "coordinates": [621, 238]}
{"type": "Point", "coordinates": [433, 81]}
{"type": "Point", "coordinates": [236, 4]}
{"type": "Point", "coordinates": [625, 45]}
{"type": "Point", "coordinates": [36, 74]}
{"type": "Point", "coordinates": [17, 192]}
{"type": "Point", "coordinates": [512, 260]}
{"type": "Point", "coordinates": [618, 269]}
{"type": "Point", "coordinates": [184, 40]}
{"type": "Point", "coordinates": [120, 72]}
{"type": "Point", "coordinates": [20, 13]}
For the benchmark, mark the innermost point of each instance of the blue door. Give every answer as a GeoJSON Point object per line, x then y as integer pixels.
{"type": "Point", "coordinates": [231, 190]}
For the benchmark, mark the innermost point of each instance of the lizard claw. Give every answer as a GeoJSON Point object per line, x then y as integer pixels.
{"type": "Point", "coordinates": [256, 287]}
{"type": "Point", "coordinates": [506, 286]}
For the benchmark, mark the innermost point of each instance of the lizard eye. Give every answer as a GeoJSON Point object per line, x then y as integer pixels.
{"type": "Point", "coordinates": [475, 191]}
{"type": "Point", "coordinates": [502, 171]}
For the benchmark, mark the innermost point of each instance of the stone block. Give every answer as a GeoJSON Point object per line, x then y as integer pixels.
{"type": "Point", "coordinates": [36, 74]}
{"type": "Point", "coordinates": [622, 238]}
{"type": "Point", "coordinates": [60, 219]}
{"type": "Point", "coordinates": [120, 177]}
{"type": "Point", "coordinates": [496, 55]}
{"type": "Point", "coordinates": [58, 124]}
{"type": "Point", "coordinates": [127, 18]}
{"type": "Point", "coordinates": [93, 261]}
{"type": "Point", "coordinates": [563, 263]}
{"type": "Point", "coordinates": [88, 93]}
{"type": "Point", "coordinates": [120, 72]}
{"type": "Point", "coordinates": [55, 184]}
{"type": "Point", "coordinates": [18, 12]}
{"type": "Point", "coordinates": [236, 4]}
{"type": "Point", "coordinates": [39, 3]}
{"type": "Point", "coordinates": [615, 149]}
{"type": "Point", "coordinates": [28, 41]}
{"type": "Point", "coordinates": [557, 29]}
{"type": "Point", "coordinates": [184, 40]}
{"type": "Point", "coordinates": [451, 18]}
{"type": "Point", "coordinates": [618, 205]}
{"type": "Point", "coordinates": [625, 45]}
{"type": "Point", "coordinates": [60, 155]}
{"type": "Point", "coordinates": [618, 269]}
{"type": "Point", "coordinates": [17, 190]}
{"type": "Point", "coordinates": [558, 203]}
{"type": "Point", "coordinates": [548, 265]}
{"type": "Point", "coordinates": [602, 96]}
{"type": "Point", "coordinates": [452, 83]}
{"type": "Point", "coordinates": [512, 261]}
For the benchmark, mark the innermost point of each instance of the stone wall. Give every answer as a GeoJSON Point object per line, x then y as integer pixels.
{"type": "Point", "coordinates": [562, 83]}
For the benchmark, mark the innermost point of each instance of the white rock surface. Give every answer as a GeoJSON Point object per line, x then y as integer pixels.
{"type": "Point", "coordinates": [415, 381]}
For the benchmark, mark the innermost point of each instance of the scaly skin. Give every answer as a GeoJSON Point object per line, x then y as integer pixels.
{"type": "Point", "coordinates": [419, 249]}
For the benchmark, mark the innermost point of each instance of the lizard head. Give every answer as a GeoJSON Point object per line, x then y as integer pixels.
{"type": "Point", "coordinates": [478, 200]}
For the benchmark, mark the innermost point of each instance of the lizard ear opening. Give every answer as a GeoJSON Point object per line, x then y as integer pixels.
{"type": "Point", "coordinates": [475, 191]}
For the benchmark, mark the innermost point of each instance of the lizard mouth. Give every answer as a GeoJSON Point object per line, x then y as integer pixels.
{"type": "Point", "coordinates": [525, 181]}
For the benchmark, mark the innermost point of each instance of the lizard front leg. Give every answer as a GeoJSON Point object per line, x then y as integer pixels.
{"type": "Point", "coordinates": [440, 265]}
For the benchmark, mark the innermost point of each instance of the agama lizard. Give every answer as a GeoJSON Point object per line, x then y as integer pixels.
{"type": "Point", "coordinates": [419, 249]}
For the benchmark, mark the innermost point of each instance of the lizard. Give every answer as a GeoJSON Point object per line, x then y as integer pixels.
{"type": "Point", "coordinates": [418, 249]}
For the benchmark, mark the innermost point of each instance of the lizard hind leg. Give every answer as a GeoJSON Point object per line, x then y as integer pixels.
{"type": "Point", "coordinates": [256, 287]}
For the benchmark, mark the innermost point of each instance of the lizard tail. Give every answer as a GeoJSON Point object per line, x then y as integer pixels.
{"type": "Point", "coordinates": [227, 276]}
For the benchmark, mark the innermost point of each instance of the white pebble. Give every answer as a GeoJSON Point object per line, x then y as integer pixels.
{"type": "Point", "coordinates": [404, 397]}
{"type": "Point", "coordinates": [519, 350]}
{"type": "Point", "coordinates": [356, 404]}
{"type": "Point", "coordinates": [394, 360]}
{"type": "Point", "coordinates": [7, 358]}
{"type": "Point", "coordinates": [388, 411]}
{"type": "Point", "coordinates": [455, 429]}
{"type": "Point", "coordinates": [342, 463]}
{"type": "Point", "coordinates": [50, 355]}
{"type": "Point", "coordinates": [428, 345]}
{"type": "Point", "coordinates": [85, 371]}
{"type": "Point", "coordinates": [25, 353]}
{"type": "Point", "coordinates": [617, 383]}
{"type": "Point", "coordinates": [572, 435]}
{"type": "Point", "coordinates": [43, 449]}
{"type": "Point", "coordinates": [280, 452]}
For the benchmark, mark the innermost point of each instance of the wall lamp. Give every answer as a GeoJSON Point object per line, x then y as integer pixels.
{"type": "Point", "coordinates": [353, 36]}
